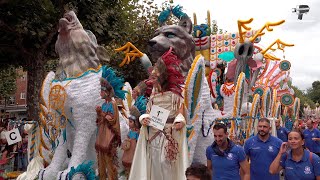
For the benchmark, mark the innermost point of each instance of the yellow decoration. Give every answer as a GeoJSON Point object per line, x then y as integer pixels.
{"type": "Point", "coordinates": [194, 19]}
{"type": "Point", "coordinates": [57, 97]}
{"type": "Point", "coordinates": [271, 57]}
{"type": "Point", "coordinates": [285, 111]}
{"type": "Point", "coordinates": [186, 102]}
{"type": "Point", "coordinates": [253, 112]}
{"type": "Point", "coordinates": [236, 103]}
{"type": "Point", "coordinates": [131, 53]}
{"type": "Point", "coordinates": [14, 174]}
{"type": "Point", "coordinates": [280, 45]}
{"type": "Point", "coordinates": [264, 107]}
{"type": "Point", "coordinates": [274, 103]}
{"type": "Point", "coordinates": [129, 99]}
{"type": "Point", "coordinates": [242, 24]}
{"type": "Point", "coordinates": [277, 113]}
{"type": "Point", "coordinates": [266, 26]}
{"type": "Point", "coordinates": [208, 19]}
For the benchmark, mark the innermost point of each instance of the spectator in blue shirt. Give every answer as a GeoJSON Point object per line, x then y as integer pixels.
{"type": "Point", "coordinates": [224, 158]}
{"type": "Point", "coordinates": [299, 163]}
{"type": "Point", "coordinates": [282, 132]}
{"type": "Point", "coordinates": [312, 138]}
{"type": "Point", "coordinates": [261, 150]}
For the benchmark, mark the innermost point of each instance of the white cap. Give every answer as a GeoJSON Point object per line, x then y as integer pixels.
{"type": "Point", "coordinates": [144, 116]}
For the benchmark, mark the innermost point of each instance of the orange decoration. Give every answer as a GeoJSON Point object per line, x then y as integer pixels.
{"type": "Point", "coordinates": [228, 91]}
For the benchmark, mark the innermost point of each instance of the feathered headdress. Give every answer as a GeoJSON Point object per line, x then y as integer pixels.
{"type": "Point", "coordinates": [111, 80]}
{"type": "Point", "coordinates": [176, 11]}
{"type": "Point", "coordinates": [85, 169]}
{"type": "Point", "coordinates": [139, 107]}
{"type": "Point", "coordinates": [168, 73]}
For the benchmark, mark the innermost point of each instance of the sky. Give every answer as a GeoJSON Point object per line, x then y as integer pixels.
{"type": "Point", "coordinates": [305, 34]}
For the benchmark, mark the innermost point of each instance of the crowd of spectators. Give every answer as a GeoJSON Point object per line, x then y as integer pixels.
{"type": "Point", "coordinates": [12, 157]}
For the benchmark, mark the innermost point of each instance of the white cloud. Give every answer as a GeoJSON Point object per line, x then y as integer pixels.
{"type": "Point", "coordinates": [305, 34]}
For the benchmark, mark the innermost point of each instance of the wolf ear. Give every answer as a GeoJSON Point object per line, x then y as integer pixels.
{"type": "Point", "coordinates": [186, 23]}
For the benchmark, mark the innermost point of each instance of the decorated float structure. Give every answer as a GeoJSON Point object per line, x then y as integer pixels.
{"type": "Point", "coordinates": [232, 79]}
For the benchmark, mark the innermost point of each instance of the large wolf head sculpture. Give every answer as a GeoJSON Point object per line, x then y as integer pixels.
{"type": "Point", "coordinates": [77, 48]}
{"type": "Point", "coordinates": [179, 38]}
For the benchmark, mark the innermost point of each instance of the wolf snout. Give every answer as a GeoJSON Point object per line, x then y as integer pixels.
{"type": "Point", "coordinates": [152, 43]}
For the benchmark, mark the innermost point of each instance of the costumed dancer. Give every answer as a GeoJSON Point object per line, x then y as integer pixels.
{"type": "Point", "coordinates": [163, 155]}
{"type": "Point", "coordinates": [108, 136]}
{"type": "Point", "coordinates": [129, 145]}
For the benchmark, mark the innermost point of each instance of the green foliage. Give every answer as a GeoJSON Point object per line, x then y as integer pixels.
{"type": "Point", "coordinates": [30, 27]}
{"type": "Point", "coordinates": [139, 29]}
{"type": "Point", "coordinates": [51, 65]}
{"type": "Point", "coordinates": [314, 92]}
{"type": "Point", "coordinates": [24, 29]}
{"type": "Point", "coordinates": [304, 99]}
{"type": "Point", "coordinates": [7, 81]}
{"type": "Point", "coordinates": [28, 31]}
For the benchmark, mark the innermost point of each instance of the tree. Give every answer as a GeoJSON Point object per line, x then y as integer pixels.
{"type": "Point", "coordinates": [7, 83]}
{"type": "Point", "coordinates": [304, 99]}
{"type": "Point", "coordinates": [143, 21]}
{"type": "Point", "coordinates": [314, 92]}
{"type": "Point", "coordinates": [28, 31]}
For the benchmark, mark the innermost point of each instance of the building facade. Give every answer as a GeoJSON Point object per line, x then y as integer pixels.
{"type": "Point", "coordinates": [16, 105]}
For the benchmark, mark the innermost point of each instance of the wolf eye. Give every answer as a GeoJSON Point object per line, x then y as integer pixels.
{"type": "Point", "coordinates": [170, 35]}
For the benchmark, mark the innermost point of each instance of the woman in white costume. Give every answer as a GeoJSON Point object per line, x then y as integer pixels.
{"type": "Point", "coordinates": [163, 155]}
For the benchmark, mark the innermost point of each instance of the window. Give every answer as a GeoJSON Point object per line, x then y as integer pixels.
{"type": "Point", "coordinates": [12, 100]}
{"type": "Point", "coordinates": [23, 96]}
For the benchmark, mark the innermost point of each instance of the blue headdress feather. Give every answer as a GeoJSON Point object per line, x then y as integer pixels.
{"type": "Point", "coordinates": [164, 15]}
{"type": "Point", "coordinates": [176, 11]}
{"type": "Point", "coordinates": [141, 104]}
{"type": "Point", "coordinates": [85, 169]}
{"type": "Point", "coordinates": [116, 82]}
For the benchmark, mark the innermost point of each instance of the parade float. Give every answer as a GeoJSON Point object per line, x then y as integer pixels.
{"type": "Point", "coordinates": [228, 78]}
{"type": "Point", "coordinates": [267, 90]}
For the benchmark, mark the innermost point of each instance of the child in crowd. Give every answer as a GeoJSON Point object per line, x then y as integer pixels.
{"type": "Point", "coordinates": [22, 154]}
{"type": "Point", "coordinates": [129, 145]}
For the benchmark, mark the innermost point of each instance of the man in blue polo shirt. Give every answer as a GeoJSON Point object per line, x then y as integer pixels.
{"type": "Point", "coordinates": [312, 138]}
{"type": "Point", "coordinates": [224, 158]}
{"type": "Point", "coordinates": [282, 132]}
{"type": "Point", "coordinates": [261, 150]}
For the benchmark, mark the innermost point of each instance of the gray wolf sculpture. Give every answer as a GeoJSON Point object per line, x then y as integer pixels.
{"type": "Point", "coordinates": [179, 38]}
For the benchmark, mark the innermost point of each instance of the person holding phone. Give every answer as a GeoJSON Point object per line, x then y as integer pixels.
{"type": "Point", "coordinates": [298, 162]}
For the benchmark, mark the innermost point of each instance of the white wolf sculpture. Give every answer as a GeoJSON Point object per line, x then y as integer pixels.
{"type": "Point", "coordinates": [69, 98]}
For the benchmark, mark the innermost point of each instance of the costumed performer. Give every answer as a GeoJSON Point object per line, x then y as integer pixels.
{"type": "Point", "coordinates": [163, 155]}
{"type": "Point", "coordinates": [108, 136]}
{"type": "Point", "coordinates": [129, 144]}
